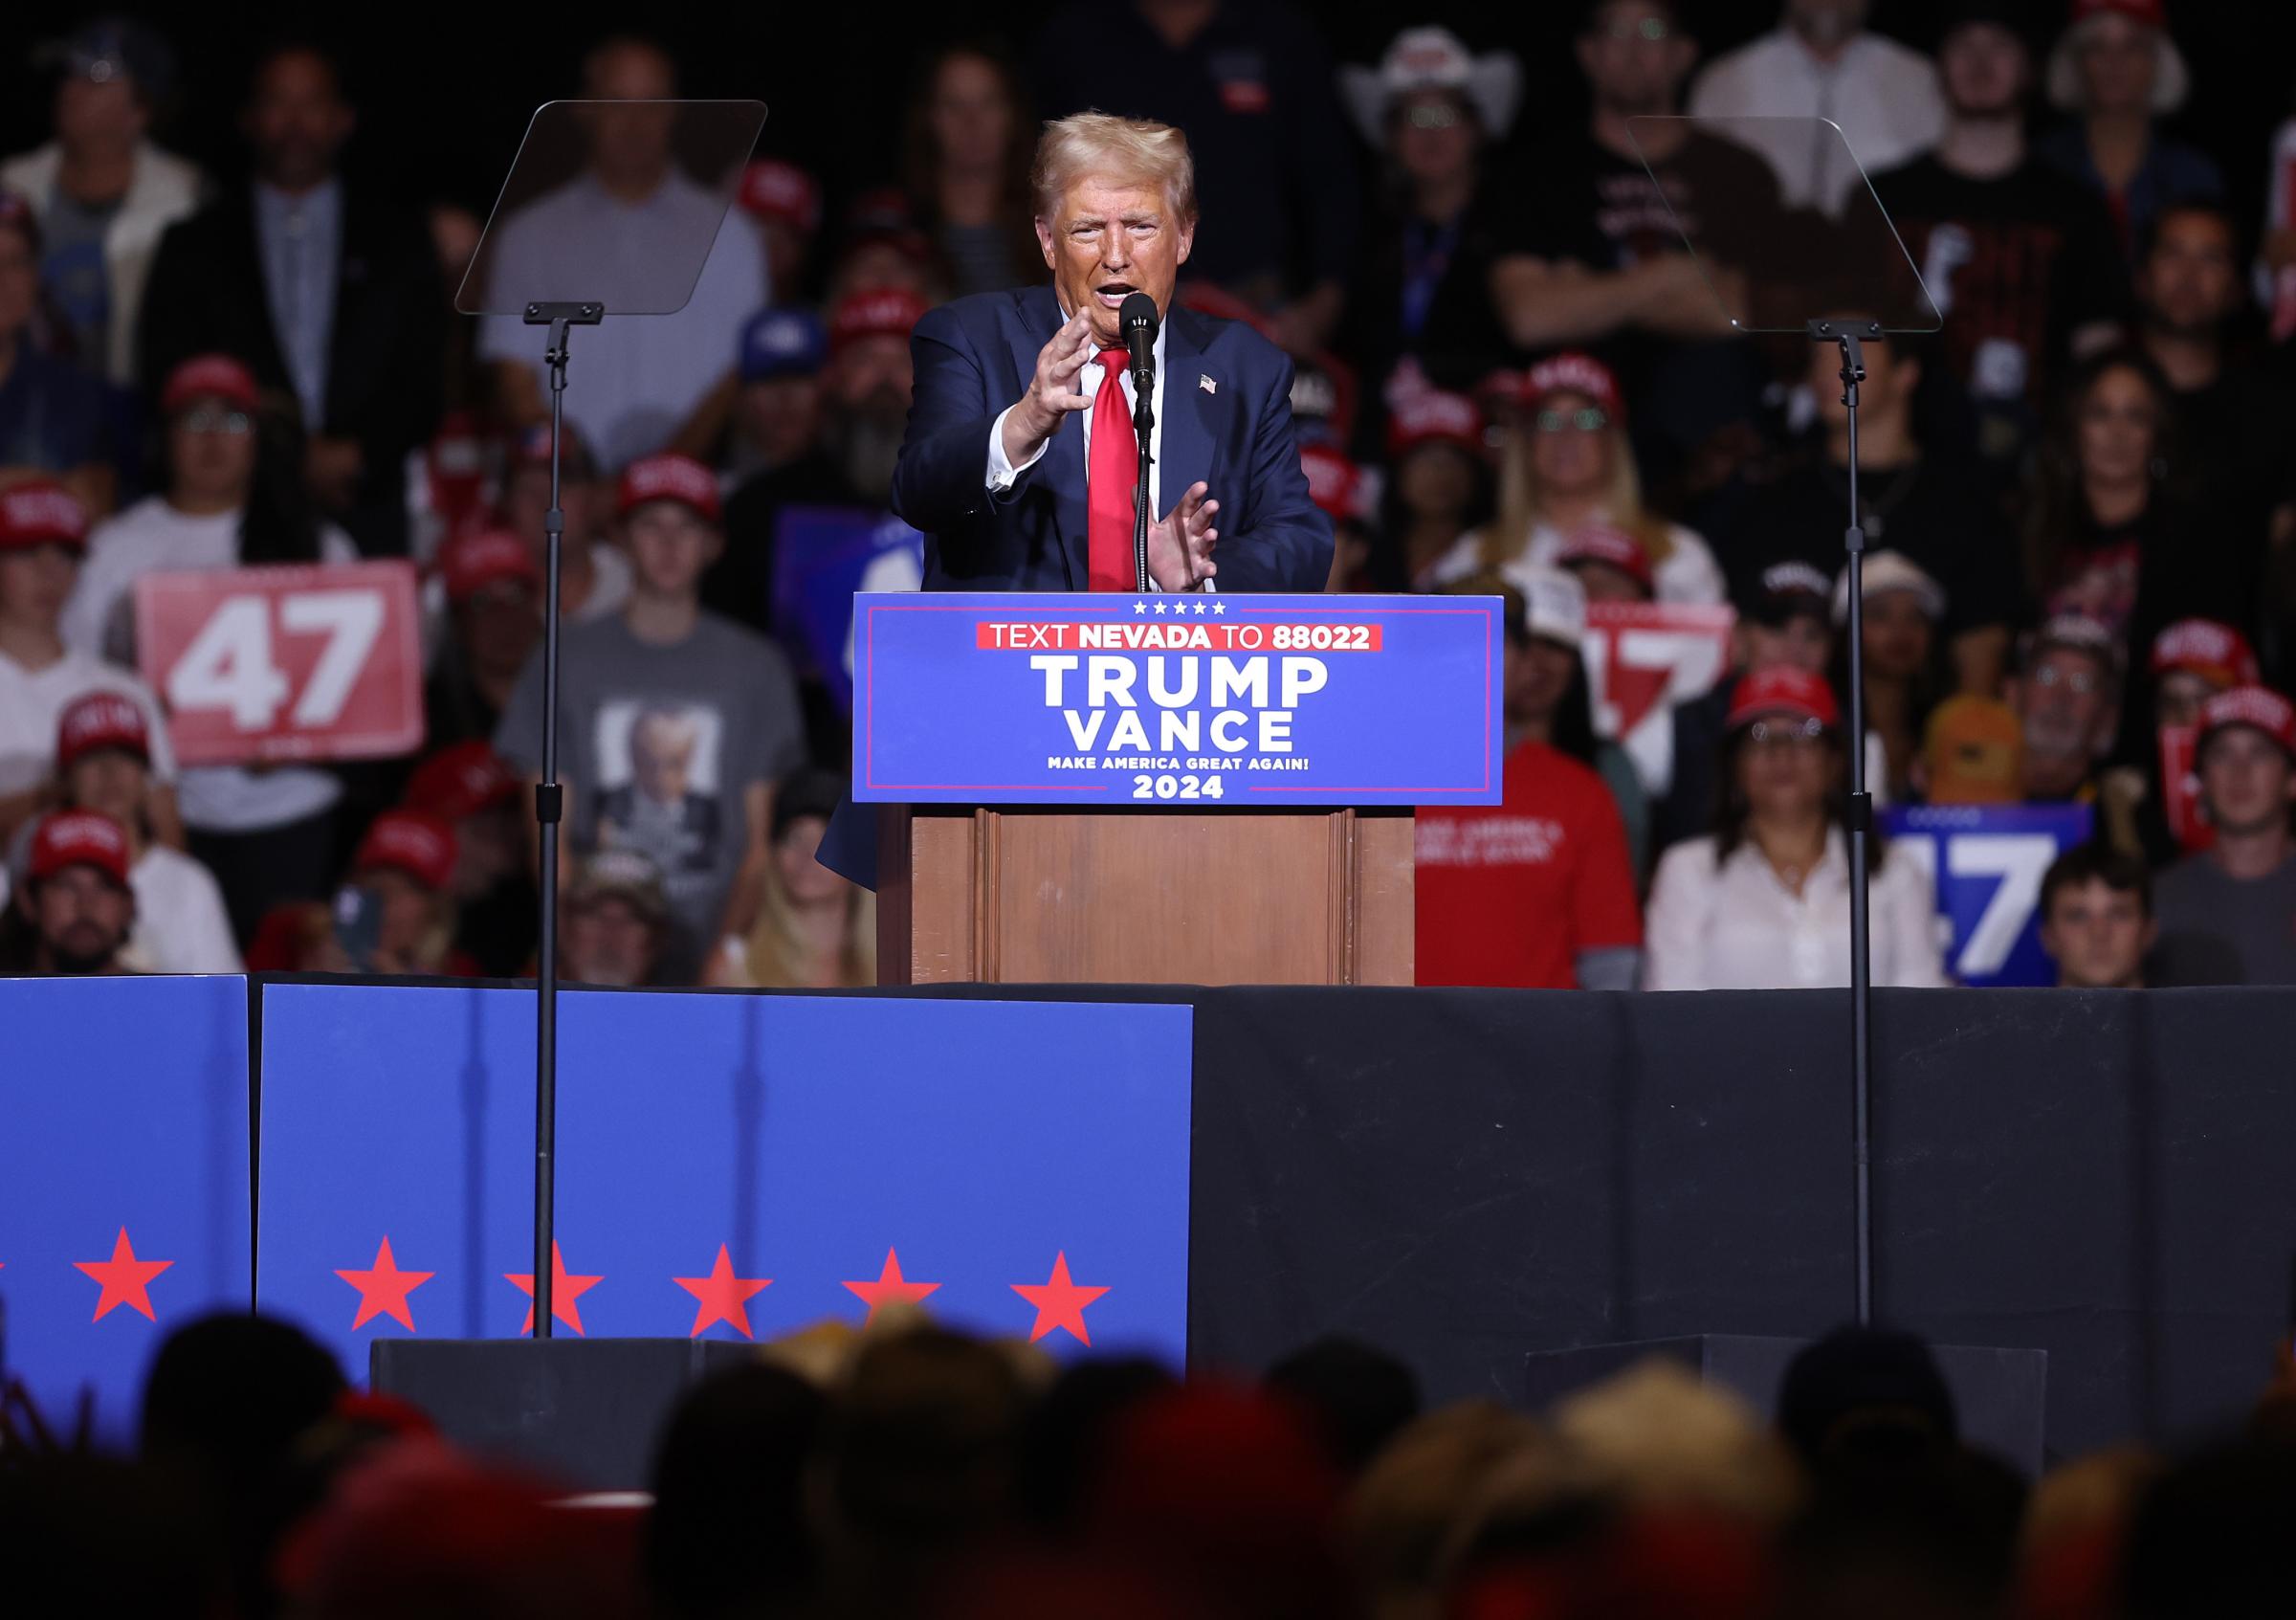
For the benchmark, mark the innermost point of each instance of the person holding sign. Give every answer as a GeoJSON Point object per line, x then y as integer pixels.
{"type": "Point", "coordinates": [234, 497]}
{"type": "Point", "coordinates": [1010, 497]}
{"type": "Point", "coordinates": [1763, 903]}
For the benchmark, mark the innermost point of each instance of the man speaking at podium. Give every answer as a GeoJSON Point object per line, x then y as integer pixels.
{"type": "Point", "coordinates": [1021, 460]}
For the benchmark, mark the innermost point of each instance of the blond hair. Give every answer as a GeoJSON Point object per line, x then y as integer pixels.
{"type": "Point", "coordinates": [1134, 149]}
{"type": "Point", "coordinates": [777, 954]}
{"type": "Point", "coordinates": [1522, 503]}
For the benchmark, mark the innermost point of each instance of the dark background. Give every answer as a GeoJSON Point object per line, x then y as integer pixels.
{"type": "Point", "coordinates": [444, 91]}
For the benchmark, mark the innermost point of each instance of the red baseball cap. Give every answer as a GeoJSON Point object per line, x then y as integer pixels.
{"type": "Point", "coordinates": [2258, 706]}
{"type": "Point", "coordinates": [1784, 691]}
{"type": "Point", "coordinates": [41, 512]}
{"type": "Point", "coordinates": [774, 189]}
{"type": "Point", "coordinates": [1335, 482]}
{"type": "Point", "coordinates": [101, 720]}
{"type": "Point", "coordinates": [1572, 373]}
{"type": "Point", "coordinates": [1605, 542]}
{"type": "Point", "coordinates": [469, 563]}
{"type": "Point", "coordinates": [209, 376]}
{"type": "Point", "coordinates": [412, 841]}
{"type": "Point", "coordinates": [460, 781]}
{"type": "Point", "coordinates": [2077, 632]}
{"type": "Point", "coordinates": [78, 837]}
{"type": "Point", "coordinates": [670, 476]}
{"type": "Point", "coordinates": [1433, 416]}
{"type": "Point", "coordinates": [876, 312]}
{"type": "Point", "coordinates": [2218, 653]}
{"type": "Point", "coordinates": [884, 217]}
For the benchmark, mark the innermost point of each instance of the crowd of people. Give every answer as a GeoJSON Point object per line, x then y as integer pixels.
{"type": "Point", "coordinates": [905, 1469]}
{"type": "Point", "coordinates": [1510, 378]}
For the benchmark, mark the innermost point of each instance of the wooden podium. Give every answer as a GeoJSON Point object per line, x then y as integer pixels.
{"type": "Point", "coordinates": [1027, 895]}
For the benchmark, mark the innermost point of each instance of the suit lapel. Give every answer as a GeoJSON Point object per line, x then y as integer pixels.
{"type": "Point", "coordinates": [1063, 470]}
{"type": "Point", "coordinates": [351, 288]}
{"type": "Point", "coordinates": [1184, 412]}
{"type": "Point", "coordinates": [248, 250]}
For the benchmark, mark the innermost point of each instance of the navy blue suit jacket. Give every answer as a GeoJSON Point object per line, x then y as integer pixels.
{"type": "Point", "coordinates": [976, 355]}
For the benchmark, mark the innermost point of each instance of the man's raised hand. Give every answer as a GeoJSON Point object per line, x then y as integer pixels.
{"type": "Point", "coordinates": [1180, 546]}
{"type": "Point", "coordinates": [1053, 392]}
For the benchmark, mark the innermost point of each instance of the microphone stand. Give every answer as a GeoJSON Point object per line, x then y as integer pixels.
{"type": "Point", "coordinates": [1144, 426]}
{"type": "Point", "coordinates": [549, 806]}
{"type": "Point", "coordinates": [1846, 336]}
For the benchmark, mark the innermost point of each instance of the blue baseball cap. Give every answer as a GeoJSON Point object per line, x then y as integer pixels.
{"type": "Point", "coordinates": [783, 343]}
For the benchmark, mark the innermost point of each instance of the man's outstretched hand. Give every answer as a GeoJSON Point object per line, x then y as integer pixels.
{"type": "Point", "coordinates": [1180, 545]}
{"type": "Point", "coordinates": [1053, 392]}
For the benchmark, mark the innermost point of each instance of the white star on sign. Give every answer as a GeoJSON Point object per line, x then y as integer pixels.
{"type": "Point", "coordinates": [1139, 606]}
{"type": "Point", "coordinates": [1199, 610]}
{"type": "Point", "coordinates": [1218, 609]}
{"type": "Point", "coordinates": [1159, 610]}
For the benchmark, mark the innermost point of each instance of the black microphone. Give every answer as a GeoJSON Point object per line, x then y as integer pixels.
{"type": "Point", "coordinates": [1137, 319]}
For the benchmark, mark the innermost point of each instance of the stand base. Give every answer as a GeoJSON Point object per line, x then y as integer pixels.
{"type": "Point", "coordinates": [584, 1411]}
{"type": "Point", "coordinates": [2000, 1394]}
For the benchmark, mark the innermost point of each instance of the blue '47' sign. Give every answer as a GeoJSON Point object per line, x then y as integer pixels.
{"type": "Point", "coordinates": [1237, 700]}
{"type": "Point", "coordinates": [1989, 861]}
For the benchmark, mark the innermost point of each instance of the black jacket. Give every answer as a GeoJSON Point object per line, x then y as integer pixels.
{"type": "Point", "coordinates": [384, 359]}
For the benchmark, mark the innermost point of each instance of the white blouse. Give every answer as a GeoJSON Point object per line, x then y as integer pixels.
{"type": "Point", "coordinates": [1738, 927]}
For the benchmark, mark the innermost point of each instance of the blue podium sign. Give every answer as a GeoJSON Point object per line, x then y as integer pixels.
{"type": "Point", "coordinates": [1989, 861]}
{"type": "Point", "coordinates": [1118, 698]}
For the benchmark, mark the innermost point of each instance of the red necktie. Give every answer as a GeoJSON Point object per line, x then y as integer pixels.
{"type": "Point", "coordinates": [1113, 470]}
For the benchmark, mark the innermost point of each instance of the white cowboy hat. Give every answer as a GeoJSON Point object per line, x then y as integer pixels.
{"type": "Point", "coordinates": [2172, 80]}
{"type": "Point", "coordinates": [1432, 58]}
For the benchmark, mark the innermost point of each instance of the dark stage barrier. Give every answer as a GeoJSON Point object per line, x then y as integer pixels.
{"type": "Point", "coordinates": [1464, 1176]}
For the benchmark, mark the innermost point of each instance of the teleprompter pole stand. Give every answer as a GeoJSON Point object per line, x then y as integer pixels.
{"type": "Point", "coordinates": [1143, 425]}
{"type": "Point", "coordinates": [1847, 336]}
{"type": "Point", "coordinates": [549, 806]}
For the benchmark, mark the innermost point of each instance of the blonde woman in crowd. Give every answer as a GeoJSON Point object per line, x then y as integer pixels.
{"type": "Point", "coordinates": [814, 930]}
{"type": "Point", "coordinates": [1567, 465]}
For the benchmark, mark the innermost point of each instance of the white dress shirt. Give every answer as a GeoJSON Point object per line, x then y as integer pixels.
{"type": "Point", "coordinates": [1003, 474]}
{"type": "Point", "coordinates": [1736, 926]}
{"type": "Point", "coordinates": [1884, 97]}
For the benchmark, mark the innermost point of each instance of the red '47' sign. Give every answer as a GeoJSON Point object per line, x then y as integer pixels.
{"type": "Point", "coordinates": [285, 663]}
{"type": "Point", "coordinates": [1644, 658]}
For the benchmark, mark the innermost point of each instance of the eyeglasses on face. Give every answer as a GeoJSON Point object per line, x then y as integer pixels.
{"type": "Point", "coordinates": [1785, 733]}
{"type": "Point", "coordinates": [1433, 114]}
{"type": "Point", "coordinates": [1621, 30]}
{"type": "Point", "coordinates": [2081, 683]}
{"type": "Point", "coordinates": [1586, 419]}
{"type": "Point", "coordinates": [216, 419]}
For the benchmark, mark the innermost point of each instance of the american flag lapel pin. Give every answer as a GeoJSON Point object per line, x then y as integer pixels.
{"type": "Point", "coordinates": [1206, 384]}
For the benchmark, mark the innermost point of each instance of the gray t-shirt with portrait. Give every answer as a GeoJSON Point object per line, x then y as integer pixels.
{"type": "Point", "coordinates": [658, 744]}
